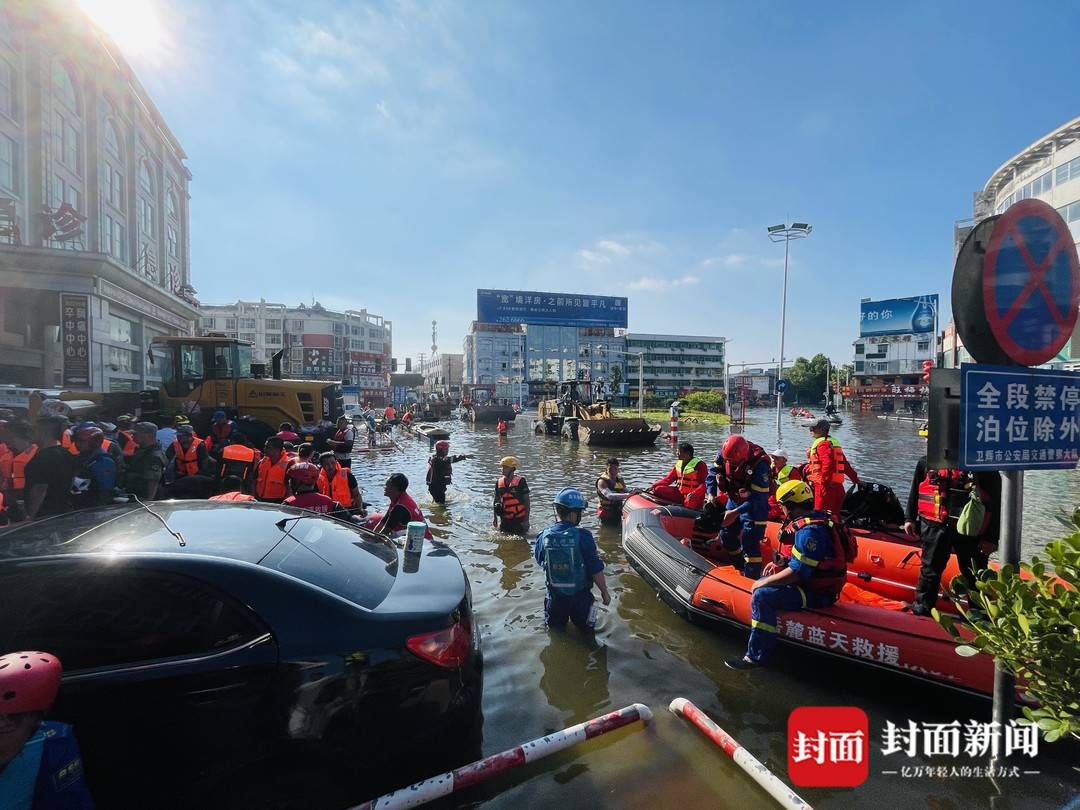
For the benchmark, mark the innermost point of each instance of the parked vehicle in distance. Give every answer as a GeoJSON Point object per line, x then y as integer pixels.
{"type": "Point", "coordinates": [240, 649]}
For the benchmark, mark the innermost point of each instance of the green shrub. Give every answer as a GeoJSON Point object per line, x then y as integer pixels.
{"type": "Point", "coordinates": [710, 401]}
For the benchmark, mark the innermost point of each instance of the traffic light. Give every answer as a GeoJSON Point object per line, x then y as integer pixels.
{"type": "Point", "coordinates": [927, 365]}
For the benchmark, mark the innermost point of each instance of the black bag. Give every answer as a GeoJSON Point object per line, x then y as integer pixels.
{"type": "Point", "coordinates": [869, 505]}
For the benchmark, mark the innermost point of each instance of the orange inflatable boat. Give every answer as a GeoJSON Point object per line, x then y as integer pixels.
{"type": "Point", "coordinates": [864, 627]}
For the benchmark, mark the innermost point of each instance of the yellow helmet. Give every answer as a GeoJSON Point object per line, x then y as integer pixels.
{"type": "Point", "coordinates": [794, 492]}
{"type": "Point", "coordinates": [509, 461]}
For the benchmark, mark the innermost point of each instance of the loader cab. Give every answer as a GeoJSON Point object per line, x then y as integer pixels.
{"type": "Point", "coordinates": [189, 362]}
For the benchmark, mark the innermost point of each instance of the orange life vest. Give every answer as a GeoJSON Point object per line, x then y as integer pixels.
{"type": "Point", "coordinates": [840, 462]}
{"type": "Point", "coordinates": [506, 494]}
{"type": "Point", "coordinates": [129, 443]}
{"type": "Point", "coordinates": [691, 475]}
{"type": "Point", "coordinates": [238, 460]}
{"type": "Point", "coordinates": [6, 457]}
{"type": "Point", "coordinates": [944, 493]}
{"type": "Point", "coordinates": [829, 574]}
{"type": "Point", "coordinates": [187, 463]}
{"type": "Point", "coordinates": [18, 467]}
{"type": "Point", "coordinates": [337, 487]}
{"type": "Point", "coordinates": [270, 481]}
{"type": "Point", "coordinates": [233, 496]}
{"type": "Point", "coordinates": [609, 509]}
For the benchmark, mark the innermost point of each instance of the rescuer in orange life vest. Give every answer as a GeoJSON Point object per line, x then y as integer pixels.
{"type": "Point", "coordinates": [271, 472]}
{"type": "Point", "coordinates": [827, 468]}
{"type": "Point", "coordinates": [511, 503]}
{"type": "Point", "coordinates": [304, 476]}
{"type": "Point", "coordinates": [688, 477]}
{"type": "Point", "coordinates": [809, 572]}
{"type": "Point", "coordinates": [338, 482]}
{"type": "Point", "coordinates": [934, 505]}
{"type": "Point", "coordinates": [612, 493]}
{"type": "Point", "coordinates": [232, 489]}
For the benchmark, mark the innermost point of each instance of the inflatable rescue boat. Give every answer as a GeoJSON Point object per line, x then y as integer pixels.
{"type": "Point", "coordinates": [863, 626]}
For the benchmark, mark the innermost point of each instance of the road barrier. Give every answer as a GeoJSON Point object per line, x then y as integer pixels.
{"type": "Point", "coordinates": [468, 775]}
{"type": "Point", "coordinates": [743, 758]}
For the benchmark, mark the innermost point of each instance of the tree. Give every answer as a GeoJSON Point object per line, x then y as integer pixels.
{"type": "Point", "coordinates": [616, 378]}
{"type": "Point", "coordinates": [806, 379]}
{"type": "Point", "coordinates": [710, 401]}
{"type": "Point", "coordinates": [1032, 627]}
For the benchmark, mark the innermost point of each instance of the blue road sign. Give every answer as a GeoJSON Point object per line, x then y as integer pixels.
{"type": "Point", "coordinates": [1018, 418]}
{"type": "Point", "coordinates": [781, 386]}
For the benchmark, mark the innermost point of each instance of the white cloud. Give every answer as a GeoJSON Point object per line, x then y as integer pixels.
{"type": "Point", "coordinates": [656, 284]}
{"type": "Point", "coordinates": [606, 251]}
{"type": "Point", "coordinates": [614, 247]}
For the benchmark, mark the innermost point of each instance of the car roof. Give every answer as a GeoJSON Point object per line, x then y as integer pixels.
{"type": "Point", "coordinates": [240, 531]}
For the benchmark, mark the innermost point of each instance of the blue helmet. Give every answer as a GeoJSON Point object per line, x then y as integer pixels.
{"type": "Point", "coordinates": [571, 498]}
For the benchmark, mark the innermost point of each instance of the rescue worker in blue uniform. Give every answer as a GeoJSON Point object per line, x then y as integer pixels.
{"type": "Point", "coordinates": [741, 478]}
{"type": "Point", "coordinates": [571, 564]}
{"type": "Point", "coordinates": [40, 762]}
{"type": "Point", "coordinates": [810, 570]}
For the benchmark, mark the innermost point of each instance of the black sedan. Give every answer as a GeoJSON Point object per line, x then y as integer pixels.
{"type": "Point", "coordinates": [232, 654]}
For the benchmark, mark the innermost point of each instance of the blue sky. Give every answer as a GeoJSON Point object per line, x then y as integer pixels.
{"type": "Point", "coordinates": [397, 156]}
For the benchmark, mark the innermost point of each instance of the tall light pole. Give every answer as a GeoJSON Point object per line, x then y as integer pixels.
{"type": "Point", "coordinates": [785, 233]}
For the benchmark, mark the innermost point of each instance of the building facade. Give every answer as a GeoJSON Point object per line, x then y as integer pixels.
{"type": "Point", "coordinates": [443, 373]}
{"type": "Point", "coordinates": [1048, 170]}
{"type": "Point", "coordinates": [896, 337]}
{"type": "Point", "coordinates": [320, 344]}
{"type": "Point", "coordinates": [674, 365]}
{"type": "Point", "coordinates": [94, 191]}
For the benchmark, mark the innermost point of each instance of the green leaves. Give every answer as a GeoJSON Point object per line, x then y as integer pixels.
{"type": "Point", "coordinates": [1030, 623]}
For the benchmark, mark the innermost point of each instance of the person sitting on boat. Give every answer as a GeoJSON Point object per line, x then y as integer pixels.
{"type": "Point", "coordinates": [612, 492]}
{"type": "Point", "coordinates": [685, 483]}
{"type": "Point", "coordinates": [828, 468]}
{"type": "Point", "coordinates": [338, 482]}
{"type": "Point", "coordinates": [810, 570]}
{"type": "Point", "coordinates": [571, 564]}
{"type": "Point", "coordinates": [740, 479]}
{"type": "Point", "coordinates": [782, 472]}
{"type": "Point", "coordinates": [440, 470]}
{"type": "Point", "coordinates": [511, 503]}
{"type": "Point", "coordinates": [401, 510]}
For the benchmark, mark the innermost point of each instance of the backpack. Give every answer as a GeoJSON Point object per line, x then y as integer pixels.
{"type": "Point", "coordinates": [869, 505]}
{"type": "Point", "coordinates": [563, 563]}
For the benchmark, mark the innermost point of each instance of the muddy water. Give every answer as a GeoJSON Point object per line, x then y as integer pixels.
{"type": "Point", "coordinates": [538, 681]}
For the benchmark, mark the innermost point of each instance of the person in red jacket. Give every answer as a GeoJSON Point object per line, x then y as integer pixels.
{"type": "Point", "coordinates": [685, 483]}
{"type": "Point", "coordinates": [827, 469]}
{"type": "Point", "coordinates": [304, 476]}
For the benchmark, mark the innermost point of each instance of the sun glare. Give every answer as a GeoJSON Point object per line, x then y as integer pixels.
{"type": "Point", "coordinates": [134, 25]}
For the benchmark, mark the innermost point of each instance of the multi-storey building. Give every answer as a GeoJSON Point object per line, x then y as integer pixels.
{"type": "Point", "coordinates": [443, 373]}
{"type": "Point", "coordinates": [896, 337]}
{"type": "Point", "coordinates": [94, 240]}
{"type": "Point", "coordinates": [673, 365]}
{"type": "Point", "coordinates": [320, 344]}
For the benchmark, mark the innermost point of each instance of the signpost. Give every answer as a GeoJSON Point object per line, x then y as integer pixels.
{"type": "Point", "coordinates": [1015, 294]}
{"type": "Point", "coordinates": [781, 386]}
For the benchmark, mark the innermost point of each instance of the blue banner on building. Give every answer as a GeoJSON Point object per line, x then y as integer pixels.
{"type": "Point", "coordinates": [898, 316]}
{"type": "Point", "coordinates": [1014, 418]}
{"type": "Point", "coordinates": [550, 309]}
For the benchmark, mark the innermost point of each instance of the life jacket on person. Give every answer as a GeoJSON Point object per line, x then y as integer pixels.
{"type": "Point", "coordinates": [406, 417]}
{"type": "Point", "coordinates": [187, 461]}
{"type": "Point", "coordinates": [564, 565]}
{"type": "Point", "coordinates": [18, 467]}
{"type": "Point", "coordinates": [389, 414]}
{"type": "Point", "coordinates": [606, 509]}
{"type": "Point", "coordinates": [788, 473]}
{"type": "Point", "coordinates": [270, 478]}
{"type": "Point", "coordinates": [238, 460]}
{"type": "Point", "coordinates": [440, 470]}
{"type": "Point", "coordinates": [336, 486]}
{"type": "Point", "coordinates": [691, 475]}
{"type": "Point", "coordinates": [501, 426]}
{"type": "Point", "coordinates": [841, 468]}
{"type": "Point", "coordinates": [7, 455]}
{"type": "Point", "coordinates": [233, 496]}
{"type": "Point", "coordinates": [944, 493]}
{"type": "Point", "coordinates": [129, 442]}
{"type": "Point", "coordinates": [406, 500]}
{"type": "Point", "coordinates": [829, 574]}
{"type": "Point", "coordinates": [506, 494]}
{"type": "Point", "coordinates": [730, 478]}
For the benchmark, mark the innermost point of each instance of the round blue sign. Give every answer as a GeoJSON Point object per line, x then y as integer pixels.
{"type": "Point", "coordinates": [781, 386]}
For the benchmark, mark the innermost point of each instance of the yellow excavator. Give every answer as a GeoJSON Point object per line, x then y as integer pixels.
{"type": "Point", "coordinates": [200, 375]}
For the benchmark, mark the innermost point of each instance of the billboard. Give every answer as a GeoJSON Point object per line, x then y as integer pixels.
{"type": "Point", "coordinates": [898, 316]}
{"type": "Point", "coordinates": [317, 363]}
{"type": "Point", "coordinates": [75, 337]}
{"type": "Point", "coordinates": [550, 309]}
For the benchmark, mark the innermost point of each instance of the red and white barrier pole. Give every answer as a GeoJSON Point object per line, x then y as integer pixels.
{"type": "Point", "coordinates": [468, 775]}
{"type": "Point", "coordinates": [673, 429]}
{"type": "Point", "coordinates": [743, 758]}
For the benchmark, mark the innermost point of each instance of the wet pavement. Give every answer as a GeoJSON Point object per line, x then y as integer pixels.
{"type": "Point", "coordinates": [537, 681]}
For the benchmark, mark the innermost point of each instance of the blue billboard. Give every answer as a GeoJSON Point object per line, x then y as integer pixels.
{"type": "Point", "coordinates": [898, 316]}
{"type": "Point", "coordinates": [550, 309]}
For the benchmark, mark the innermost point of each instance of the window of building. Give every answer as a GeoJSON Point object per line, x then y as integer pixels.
{"type": "Point", "coordinates": [923, 346]}
{"type": "Point", "coordinates": [120, 329]}
{"type": "Point", "coordinates": [273, 323]}
{"type": "Point", "coordinates": [172, 245]}
{"type": "Point", "coordinates": [115, 239]}
{"type": "Point", "coordinates": [207, 323]}
{"type": "Point", "coordinates": [230, 323]}
{"type": "Point", "coordinates": [273, 340]}
{"type": "Point", "coordinates": [66, 139]}
{"type": "Point", "coordinates": [64, 87]}
{"type": "Point", "coordinates": [7, 89]}
{"type": "Point", "coordinates": [145, 216]}
{"type": "Point", "coordinates": [112, 186]}
{"type": "Point", "coordinates": [860, 348]}
{"type": "Point", "coordinates": [8, 173]}
{"type": "Point", "coordinates": [248, 336]}
{"type": "Point", "coordinates": [247, 323]}
{"type": "Point", "coordinates": [172, 208]}
{"type": "Point", "coordinates": [112, 139]}
{"type": "Point", "coordinates": [298, 325]}
{"type": "Point", "coordinates": [1067, 171]}
{"type": "Point", "coordinates": [121, 360]}
{"type": "Point", "coordinates": [146, 178]}
{"type": "Point", "coordinates": [65, 192]}
{"type": "Point", "coordinates": [1070, 212]}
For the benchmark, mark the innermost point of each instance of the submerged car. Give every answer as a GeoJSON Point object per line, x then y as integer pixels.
{"type": "Point", "coordinates": [215, 650]}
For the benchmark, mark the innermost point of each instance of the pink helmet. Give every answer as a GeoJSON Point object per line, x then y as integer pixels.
{"type": "Point", "coordinates": [442, 444]}
{"type": "Point", "coordinates": [304, 472]}
{"type": "Point", "coordinates": [29, 682]}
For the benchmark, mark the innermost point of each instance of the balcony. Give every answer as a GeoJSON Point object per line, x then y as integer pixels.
{"type": "Point", "coordinates": [889, 367]}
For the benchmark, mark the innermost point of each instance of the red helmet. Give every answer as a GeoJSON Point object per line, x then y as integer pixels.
{"type": "Point", "coordinates": [442, 444]}
{"type": "Point", "coordinates": [304, 472]}
{"type": "Point", "coordinates": [29, 682]}
{"type": "Point", "coordinates": [735, 449]}
{"type": "Point", "coordinates": [89, 433]}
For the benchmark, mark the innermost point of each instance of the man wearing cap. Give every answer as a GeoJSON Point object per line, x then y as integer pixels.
{"type": "Point", "coordinates": [511, 503]}
{"type": "Point", "coordinates": [827, 469]}
{"type": "Point", "coordinates": [222, 432]}
{"type": "Point", "coordinates": [782, 472]}
{"type": "Point", "coordinates": [146, 465]}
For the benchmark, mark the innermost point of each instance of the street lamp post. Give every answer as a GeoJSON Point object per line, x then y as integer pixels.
{"type": "Point", "coordinates": [785, 233]}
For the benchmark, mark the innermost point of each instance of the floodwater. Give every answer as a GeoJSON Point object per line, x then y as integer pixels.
{"type": "Point", "coordinates": [537, 681]}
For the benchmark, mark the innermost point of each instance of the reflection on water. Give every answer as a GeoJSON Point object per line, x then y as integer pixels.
{"type": "Point", "coordinates": [536, 681]}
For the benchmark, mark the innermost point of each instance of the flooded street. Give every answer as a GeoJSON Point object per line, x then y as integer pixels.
{"type": "Point", "coordinates": [538, 681]}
